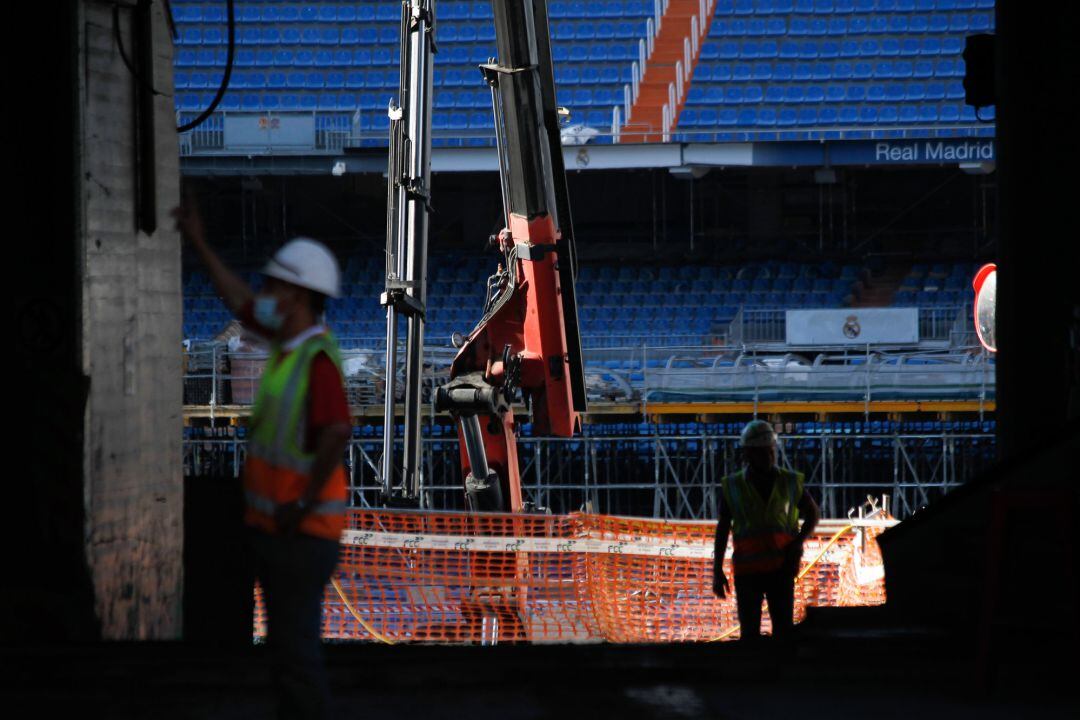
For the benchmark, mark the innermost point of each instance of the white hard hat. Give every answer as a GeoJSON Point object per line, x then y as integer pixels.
{"type": "Point", "coordinates": [758, 433]}
{"type": "Point", "coordinates": [307, 263]}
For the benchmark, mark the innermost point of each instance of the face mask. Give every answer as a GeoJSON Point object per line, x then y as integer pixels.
{"type": "Point", "coordinates": [266, 312]}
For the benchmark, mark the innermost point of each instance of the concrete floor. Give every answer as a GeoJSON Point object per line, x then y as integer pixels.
{"type": "Point", "coordinates": [868, 676]}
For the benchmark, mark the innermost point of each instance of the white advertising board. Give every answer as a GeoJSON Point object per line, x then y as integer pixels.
{"type": "Point", "coordinates": [853, 326]}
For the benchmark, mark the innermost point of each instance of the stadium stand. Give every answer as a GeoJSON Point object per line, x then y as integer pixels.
{"type": "Point", "coordinates": [675, 304]}
{"type": "Point", "coordinates": [782, 68]}
{"type": "Point", "coordinates": [768, 69]}
{"type": "Point", "coordinates": [340, 59]}
{"type": "Point", "coordinates": [687, 301]}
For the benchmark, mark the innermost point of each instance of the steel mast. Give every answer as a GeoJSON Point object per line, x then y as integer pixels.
{"type": "Point", "coordinates": [408, 206]}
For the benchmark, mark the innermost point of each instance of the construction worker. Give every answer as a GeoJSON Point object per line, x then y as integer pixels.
{"type": "Point", "coordinates": [762, 504]}
{"type": "Point", "coordinates": [294, 480]}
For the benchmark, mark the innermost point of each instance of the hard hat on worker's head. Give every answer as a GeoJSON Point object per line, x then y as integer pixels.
{"type": "Point", "coordinates": [758, 433]}
{"type": "Point", "coordinates": [306, 263]}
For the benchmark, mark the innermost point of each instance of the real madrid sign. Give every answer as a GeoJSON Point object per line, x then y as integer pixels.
{"type": "Point", "coordinates": [934, 151]}
{"type": "Point", "coordinates": [853, 326]}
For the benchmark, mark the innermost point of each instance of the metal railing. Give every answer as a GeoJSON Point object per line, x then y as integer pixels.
{"type": "Point", "coordinates": [948, 324]}
{"type": "Point", "coordinates": [215, 378]}
{"type": "Point", "coordinates": [939, 323]}
{"type": "Point", "coordinates": [209, 138]}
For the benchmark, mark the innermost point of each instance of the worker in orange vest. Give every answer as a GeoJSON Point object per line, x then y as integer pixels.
{"type": "Point", "coordinates": [294, 480]}
{"type": "Point", "coordinates": [761, 506]}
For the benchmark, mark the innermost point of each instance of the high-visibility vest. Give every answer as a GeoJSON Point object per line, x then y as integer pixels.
{"type": "Point", "coordinates": [278, 470]}
{"type": "Point", "coordinates": [762, 528]}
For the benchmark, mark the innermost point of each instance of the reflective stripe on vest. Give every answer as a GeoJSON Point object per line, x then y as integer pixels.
{"type": "Point", "coordinates": [762, 528]}
{"type": "Point", "coordinates": [278, 469]}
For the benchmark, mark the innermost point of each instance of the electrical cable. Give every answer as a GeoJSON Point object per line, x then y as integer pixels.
{"type": "Point", "coordinates": [123, 53]}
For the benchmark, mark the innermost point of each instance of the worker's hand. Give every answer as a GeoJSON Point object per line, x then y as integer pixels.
{"type": "Point", "coordinates": [189, 220]}
{"type": "Point", "coordinates": [720, 585]}
{"type": "Point", "coordinates": [288, 517]}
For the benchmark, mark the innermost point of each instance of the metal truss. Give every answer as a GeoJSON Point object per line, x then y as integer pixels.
{"type": "Point", "coordinates": [669, 477]}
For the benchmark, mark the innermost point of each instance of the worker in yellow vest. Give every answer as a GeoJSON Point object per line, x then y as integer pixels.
{"type": "Point", "coordinates": [761, 506]}
{"type": "Point", "coordinates": [294, 480]}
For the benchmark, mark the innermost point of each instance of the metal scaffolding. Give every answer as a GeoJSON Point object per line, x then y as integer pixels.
{"type": "Point", "coordinates": [664, 476]}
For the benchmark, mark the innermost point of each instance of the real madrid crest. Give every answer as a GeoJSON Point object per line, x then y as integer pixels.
{"type": "Point", "coordinates": [852, 327]}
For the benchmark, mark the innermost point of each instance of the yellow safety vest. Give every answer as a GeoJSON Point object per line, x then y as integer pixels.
{"type": "Point", "coordinates": [762, 528]}
{"type": "Point", "coordinates": [278, 469]}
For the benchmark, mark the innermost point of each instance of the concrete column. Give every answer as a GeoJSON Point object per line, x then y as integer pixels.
{"type": "Point", "coordinates": [130, 337]}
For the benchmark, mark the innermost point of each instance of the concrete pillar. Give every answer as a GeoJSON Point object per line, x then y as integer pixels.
{"type": "Point", "coordinates": [1038, 309]}
{"type": "Point", "coordinates": [130, 288]}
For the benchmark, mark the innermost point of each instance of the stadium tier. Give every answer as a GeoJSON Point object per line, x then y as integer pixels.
{"type": "Point", "coordinates": [794, 65]}
{"type": "Point", "coordinates": [766, 69]}
{"type": "Point", "coordinates": [341, 58]}
{"type": "Point", "coordinates": [619, 306]}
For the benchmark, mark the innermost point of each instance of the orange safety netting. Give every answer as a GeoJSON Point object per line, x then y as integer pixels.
{"type": "Point", "coordinates": [484, 578]}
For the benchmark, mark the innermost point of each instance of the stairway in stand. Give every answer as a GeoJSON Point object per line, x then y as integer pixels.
{"type": "Point", "coordinates": [879, 291]}
{"type": "Point", "coordinates": [646, 122]}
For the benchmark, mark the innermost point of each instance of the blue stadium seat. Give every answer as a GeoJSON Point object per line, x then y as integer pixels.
{"type": "Point", "coordinates": [935, 91]}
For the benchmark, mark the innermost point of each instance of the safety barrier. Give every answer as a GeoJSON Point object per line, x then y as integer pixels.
{"type": "Point", "coordinates": [216, 377]}
{"type": "Point", "coordinates": [464, 578]}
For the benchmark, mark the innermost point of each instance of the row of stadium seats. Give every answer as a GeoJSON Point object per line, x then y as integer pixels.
{"type": "Point", "coordinates": [367, 274]}
{"type": "Point", "coordinates": [822, 72]}
{"type": "Point", "coordinates": [828, 116]}
{"type": "Point", "coordinates": [855, 58]}
{"type": "Point", "coordinates": [686, 300]}
{"type": "Point", "coordinates": [366, 12]}
{"type": "Point", "coordinates": [830, 7]}
{"type": "Point", "coordinates": [794, 21]}
{"type": "Point", "coordinates": [842, 26]}
{"type": "Point", "coordinates": [460, 276]}
{"type": "Point", "coordinates": [735, 124]}
{"type": "Point", "coordinates": [939, 284]}
{"type": "Point", "coordinates": [867, 48]}
{"type": "Point", "coordinates": [925, 298]}
{"type": "Point", "coordinates": [385, 79]}
{"type": "Point", "coordinates": [719, 95]}
{"type": "Point", "coordinates": [598, 95]}
{"type": "Point", "coordinates": [832, 427]}
{"type": "Point", "coordinates": [384, 54]}
{"type": "Point", "coordinates": [448, 34]}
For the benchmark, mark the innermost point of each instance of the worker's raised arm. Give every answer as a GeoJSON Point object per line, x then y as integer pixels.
{"type": "Point", "coordinates": [231, 287]}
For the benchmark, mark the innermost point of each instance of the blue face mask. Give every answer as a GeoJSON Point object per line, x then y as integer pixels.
{"type": "Point", "coordinates": [266, 312]}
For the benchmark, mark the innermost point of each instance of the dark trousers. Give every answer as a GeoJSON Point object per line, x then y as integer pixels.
{"type": "Point", "coordinates": [293, 572]}
{"type": "Point", "coordinates": [776, 587]}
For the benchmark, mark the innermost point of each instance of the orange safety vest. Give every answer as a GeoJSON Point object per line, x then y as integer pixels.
{"type": "Point", "coordinates": [762, 528]}
{"type": "Point", "coordinates": [278, 469]}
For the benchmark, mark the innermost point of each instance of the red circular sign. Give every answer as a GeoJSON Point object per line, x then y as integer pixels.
{"type": "Point", "coordinates": [985, 285]}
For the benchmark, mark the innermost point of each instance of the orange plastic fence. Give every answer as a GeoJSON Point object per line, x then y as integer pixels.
{"type": "Point", "coordinates": [469, 578]}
